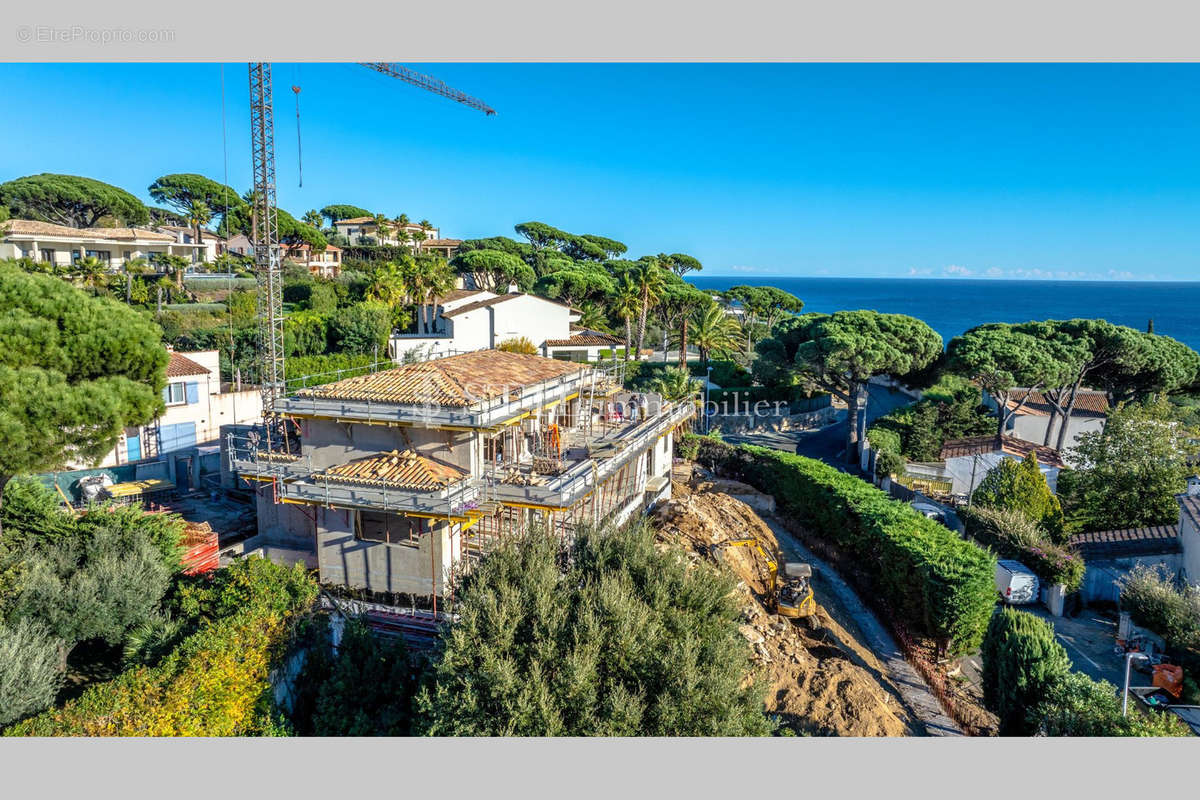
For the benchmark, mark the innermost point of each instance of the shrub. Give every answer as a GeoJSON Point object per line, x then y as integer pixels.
{"type": "Point", "coordinates": [211, 284]}
{"type": "Point", "coordinates": [950, 409]}
{"type": "Point", "coordinates": [1076, 705]}
{"type": "Point", "coordinates": [305, 333]}
{"type": "Point", "coordinates": [314, 370]}
{"type": "Point", "coordinates": [30, 669]}
{"type": "Point", "coordinates": [1154, 601]}
{"type": "Point", "coordinates": [243, 306]}
{"type": "Point", "coordinates": [361, 328]}
{"type": "Point", "coordinates": [519, 344]}
{"type": "Point", "coordinates": [32, 514]}
{"type": "Point", "coordinates": [216, 683]}
{"type": "Point", "coordinates": [1020, 486]}
{"type": "Point", "coordinates": [1021, 660]}
{"type": "Point", "coordinates": [1011, 534]}
{"type": "Point", "coordinates": [616, 638]}
{"type": "Point", "coordinates": [930, 579]}
{"type": "Point", "coordinates": [366, 689]}
{"type": "Point", "coordinates": [196, 308]}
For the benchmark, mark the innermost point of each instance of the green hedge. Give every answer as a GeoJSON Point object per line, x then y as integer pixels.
{"type": "Point", "coordinates": [217, 283]}
{"type": "Point", "coordinates": [196, 308]}
{"type": "Point", "coordinates": [933, 581]}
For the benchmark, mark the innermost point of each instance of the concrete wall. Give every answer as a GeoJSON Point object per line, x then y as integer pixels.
{"type": "Point", "coordinates": [966, 472]}
{"type": "Point", "coordinates": [1099, 581]}
{"type": "Point", "coordinates": [421, 569]}
{"type": "Point", "coordinates": [1189, 538]}
{"type": "Point", "coordinates": [1032, 428]}
{"type": "Point", "coordinates": [328, 443]}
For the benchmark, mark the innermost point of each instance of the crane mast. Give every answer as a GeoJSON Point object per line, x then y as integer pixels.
{"type": "Point", "coordinates": [265, 226]}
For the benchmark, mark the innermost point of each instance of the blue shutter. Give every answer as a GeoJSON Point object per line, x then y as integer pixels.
{"type": "Point", "coordinates": [193, 392]}
{"type": "Point", "coordinates": [133, 447]}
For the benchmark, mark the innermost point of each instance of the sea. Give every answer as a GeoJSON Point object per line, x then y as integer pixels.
{"type": "Point", "coordinates": [951, 306]}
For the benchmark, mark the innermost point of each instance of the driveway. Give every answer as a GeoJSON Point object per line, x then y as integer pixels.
{"type": "Point", "coordinates": [829, 443]}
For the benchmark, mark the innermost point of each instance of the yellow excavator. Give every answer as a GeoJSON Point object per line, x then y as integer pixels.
{"type": "Point", "coordinates": [789, 595]}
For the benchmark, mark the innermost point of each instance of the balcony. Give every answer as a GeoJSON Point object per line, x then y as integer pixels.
{"type": "Point", "coordinates": [588, 459]}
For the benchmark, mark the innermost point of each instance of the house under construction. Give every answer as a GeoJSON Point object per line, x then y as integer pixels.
{"type": "Point", "coordinates": [400, 478]}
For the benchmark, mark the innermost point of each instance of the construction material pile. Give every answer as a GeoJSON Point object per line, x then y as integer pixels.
{"type": "Point", "coordinates": [821, 681]}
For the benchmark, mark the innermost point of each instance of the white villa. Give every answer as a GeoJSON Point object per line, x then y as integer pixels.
{"type": "Point", "coordinates": [197, 405]}
{"type": "Point", "coordinates": [1031, 420]}
{"type": "Point", "coordinates": [470, 319]}
{"type": "Point", "coordinates": [63, 246]}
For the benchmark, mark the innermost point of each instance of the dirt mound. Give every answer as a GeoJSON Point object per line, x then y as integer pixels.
{"type": "Point", "coordinates": [814, 685]}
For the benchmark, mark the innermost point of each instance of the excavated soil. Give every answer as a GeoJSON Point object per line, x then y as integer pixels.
{"type": "Point", "coordinates": [821, 680]}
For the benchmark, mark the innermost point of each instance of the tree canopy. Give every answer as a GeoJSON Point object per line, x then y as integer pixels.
{"type": "Point", "coordinates": [618, 639]}
{"type": "Point", "coordinates": [71, 200]}
{"type": "Point", "coordinates": [183, 191]}
{"type": "Point", "coordinates": [838, 353]}
{"type": "Point", "coordinates": [494, 270]}
{"type": "Point", "coordinates": [338, 211]}
{"type": "Point", "coordinates": [75, 370]}
{"type": "Point", "coordinates": [1127, 475]}
{"type": "Point", "coordinates": [1003, 360]}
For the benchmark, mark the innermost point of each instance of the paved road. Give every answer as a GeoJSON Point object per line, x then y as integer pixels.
{"type": "Point", "coordinates": [829, 443]}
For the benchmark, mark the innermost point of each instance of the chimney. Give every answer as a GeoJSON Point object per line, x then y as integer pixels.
{"type": "Point", "coordinates": [514, 289]}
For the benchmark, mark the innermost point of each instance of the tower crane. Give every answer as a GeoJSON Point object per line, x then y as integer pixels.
{"type": "Point", "coordinates": [265, 221]}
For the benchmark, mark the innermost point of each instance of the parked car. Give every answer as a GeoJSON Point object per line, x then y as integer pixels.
{"type": "Point", "coordinates": [1016, 583]}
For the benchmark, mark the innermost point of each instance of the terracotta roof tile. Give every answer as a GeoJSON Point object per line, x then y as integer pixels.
{"type": "Point", "coordinates": [455, 381]}
{"type": "Point", "coordinates": [953, 448]}
{"type": "Point", "coordinates": [499, 299]}
{"type": "Point", "coordinates": [354, 221]}
{"type": "Point", "coordinates": [585, 339]}
{"type": "Point", "coordinates": [1155, 540]}
{"type": "Point", "coordinates": [179, 366]}
{"type": "Point", "coordinates": [1088, 403]}
{"type": "Point", "coordinates": [29, 227]}
{"type": "Point", "coordinates": [400, 470]}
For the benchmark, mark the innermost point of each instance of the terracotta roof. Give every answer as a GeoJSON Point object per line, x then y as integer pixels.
{"type": "Point", "coordinates": [1156, 540]}
{"type": "Point", "coordinates": [953, 448]}
{"type": "Point", "coordinates": [400, 470]}
{"type": "Point", "coordinates": [440, 242]}
{"type": "Point", "coordinates": [455, 381]}
{"type": "Point", "coordinates": [584, 339]}
{"type": "Point", "coordinates": [458, 294]}
{"type": "Point", "coordinates": [1088, 403]}
{"type": "Point", "coordinates": [1189, 506]}
{"type": "Point", "coordinates": [354, 221]}
{"type": "Point", "coordinates": [179, 366]}
{"type": "Point", "coordinates": [29, 227]}
{"type": "Point", "coordinates": [499, 299]}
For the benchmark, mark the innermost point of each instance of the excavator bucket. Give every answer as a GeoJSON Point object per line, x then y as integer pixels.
{"type": "Point", "coordinates": [797, 569]}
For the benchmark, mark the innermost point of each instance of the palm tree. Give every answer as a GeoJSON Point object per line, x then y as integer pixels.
{"type": "Point", "coordinates": [402, 220]}
{"type": "Point", "coordinates": [648, 277]}
{"type": "Point", "coordinates": [439, 279]}
{"type": "Point", "coordinates": [383, 227]}
{"type": "Point", "coordinates": [176, 265]}
{"type": "Point", "coordinates": [313, 217]}
{"type": "Point", "coordinates": [388, 285]}
{"type": "Point", "coordinates": [690, 303]}
{"type": "Point", "coordinates": [592, 317]}
{"type": "Point", "coordinates": [625, 304]}
{"type": "Point", "coordinates": [134, 266]}
{"type": "Point", "coordinates": [675, 384]}
{"type": "Point", "coordinates": [715, 333]}
{"type": "Point", "coordinates": [426, 224]}
{"type": "Point", "coordinates": [91, 272]}
{"type": "Point", "coordinates": [198, 215]}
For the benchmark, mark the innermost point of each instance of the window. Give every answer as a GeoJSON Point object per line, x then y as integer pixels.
{"type": "Point", "coordinates": [48, 256]}
{"type": "Point", "coordinates": [127, 255]}
{"type": "Point", "coordinates": [376, 526]}
{"type": "Point", "coordinates": [104, 256]}
{"type": "Point", "coordinates": [174, 394]}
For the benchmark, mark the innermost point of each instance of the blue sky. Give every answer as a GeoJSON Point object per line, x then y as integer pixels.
{"type": "Point", "coordinates": [1070, 171]}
